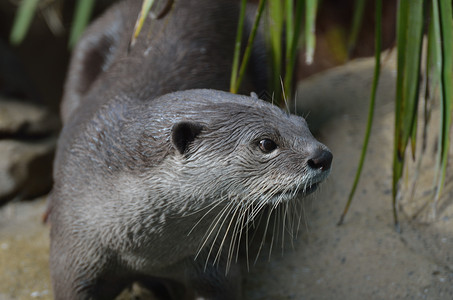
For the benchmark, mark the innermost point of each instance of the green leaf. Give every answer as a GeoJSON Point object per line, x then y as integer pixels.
{"type": "Point", "coordinates": [359, 8]}
{"type": "Point", "coordinates": [289, 11]}
{"type": "Point", "coordinates": [248, 51]}
{"type": "Point", "coordinates": [411, 82]}
{"type": "Point", "coordinates": [237, 49]}
{"type": "Point", "coordinates": [442, 11]}
{"type": "Point", "coordinates": [292, 46]}
{"type": "Point", "coordinates": [146, 7]}
{"type": "Point", "coordinates": [275, 31]}
{"type": "Point", "coordinates": [22, 21]}
{"type": "Point", "coordinates": [377, 71]}
{"type": "Point", "coordinates": [409, 39]}
{"type": "Point", "coordinates": [311, 6]}
{"type": "Point", "coordinates": [82, 15]}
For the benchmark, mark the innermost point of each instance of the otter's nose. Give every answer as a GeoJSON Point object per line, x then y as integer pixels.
{"type": "Point", "coordinates": [321, 160]}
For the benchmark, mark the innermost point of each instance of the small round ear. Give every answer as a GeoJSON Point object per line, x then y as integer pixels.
{"type": "Point", "coordinates": [184, 133]}
{"type": "Point", "coordinates": [93, 54]}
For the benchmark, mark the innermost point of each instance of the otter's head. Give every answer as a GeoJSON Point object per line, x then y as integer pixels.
{"type": "Point", "coordinates": [249, 151]}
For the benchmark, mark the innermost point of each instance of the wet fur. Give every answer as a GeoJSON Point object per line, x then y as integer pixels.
{"type": "Point", "coordinates": [157, 187]}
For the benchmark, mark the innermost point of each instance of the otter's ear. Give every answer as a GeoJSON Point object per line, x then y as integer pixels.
{"type": "Point", "coordinates": [92, 56]}
{"type": "Point", "coordinates": [184, 133]}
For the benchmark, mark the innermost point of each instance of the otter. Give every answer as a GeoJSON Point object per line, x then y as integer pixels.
{"type": "Point", "coordinates": [159, 174]}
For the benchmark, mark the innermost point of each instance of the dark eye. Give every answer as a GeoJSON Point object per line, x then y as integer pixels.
{"type": "Point", "coordinates": [267, 145]}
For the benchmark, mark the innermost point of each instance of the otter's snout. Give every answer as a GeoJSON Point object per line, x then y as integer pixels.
{"type": "Point", "coordinates": [321, 160]}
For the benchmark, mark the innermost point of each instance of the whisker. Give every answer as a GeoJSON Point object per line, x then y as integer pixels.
{"type": "Point", "coordinates": [224, 218]}
{"type": "Point", "coordinates": [236, 236]}
{"type": "Point", "coordinates": [211, 228]}
{"type": "Point", "coordinates": [211, 209]}
{"type": "Point", "coordinates": [264, 235]}
{"type": "Point", "coordinates": [291, 223]}
{"type": "Point", "coordinates": [256, 224]}
{"type": "Point", "coordinates": [273, 235]}
{"type": "Point", "coordinates": [247, 247]}
{"type": "Point", "coordinates": [284, 224]}
{"type": "Point", "coordinates": [219, 251]}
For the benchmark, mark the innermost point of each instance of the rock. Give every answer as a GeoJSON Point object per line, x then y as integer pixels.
{"type": "Point", "coordinates": [27, 145]}
{"type": "Point", "coordinates": [345, 90]}
{"type": "Point", "coordinates": [24, 120]}
{"type": "Point", "coordinates": [25, 168]}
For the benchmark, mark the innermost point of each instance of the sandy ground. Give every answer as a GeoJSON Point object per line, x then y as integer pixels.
{"type": "Point", "coordinates": [363, 259]}
{"type": "Point", "coordinates": [24, 252]}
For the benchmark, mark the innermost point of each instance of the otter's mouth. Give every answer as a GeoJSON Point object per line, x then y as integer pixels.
{"type": "Point", "coordinates": [290, 194]}
{"type": "Point", "coordinates": [310, 189]}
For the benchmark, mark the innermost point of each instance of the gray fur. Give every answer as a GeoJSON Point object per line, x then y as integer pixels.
{"type": "Point", "coordinates": [158, 187]}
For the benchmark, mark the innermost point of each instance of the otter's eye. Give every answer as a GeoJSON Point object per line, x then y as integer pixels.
{"type": "Point", "coordinates": [267, 145]}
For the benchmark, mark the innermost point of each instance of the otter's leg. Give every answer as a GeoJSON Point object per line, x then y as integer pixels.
{"type": "Point", "coordinates": [79, 287]}
{"type": "Point", "coordinates": [81, 271]}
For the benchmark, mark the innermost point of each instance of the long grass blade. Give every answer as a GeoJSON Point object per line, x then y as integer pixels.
{"type": "Point", "coordinates": [409, 39]}
{"type": "Point", "coordinates": [434, 69]}
{"type": "Point", "coordinates": [401, 43]}
{"type": "Point", "coordinates": [357, 18]}
{"type": "Point", "coordinates": [412, 71]}
{"type": "Point", "coordinates": [292, 46]}
{"type": "Point", "coordinates": [289, 16]}
{"type": "Point", "coordinates": [248, 49]}
{"type": "Point", "coordinates": [311, 6]}
{"type": "Point", "coordinates": [446, 51]}
{"type": "Point", "coordinates": [237, 48]}
{"type": "Point", "coordinates": [146, 7]}
{"type": "Point", "coordinates": [377, 70]}
{"type": "Point", "coordinates": [275, 31]}
{"type": "Point", "coordinates": [22, 20]}
{"type": "Point", "coordinates": [431, 80]}
{"type": "Point", "coordinates": [82, 15]}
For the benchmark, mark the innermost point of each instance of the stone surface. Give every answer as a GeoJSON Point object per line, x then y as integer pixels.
{"type": "Point", "coordinates": [25, 168]}
{"type": "Point", "coordinates": [24, 252]}
{"type": "Point", "coordinates": [344, 91]}
{"type": "Point", "coordinates": [21, 119]}
{"type": "Point", "coordinates": [27, 145]}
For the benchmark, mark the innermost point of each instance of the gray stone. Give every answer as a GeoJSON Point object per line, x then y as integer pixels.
{"type": "Point", "coordinates": [344, 90]}
{"type": "Point", "coordinates": [27, 145]}
{"type": "Point", "coordinates": [23, 119]}
{"type": "Point", "coordinates": [25, 168]}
